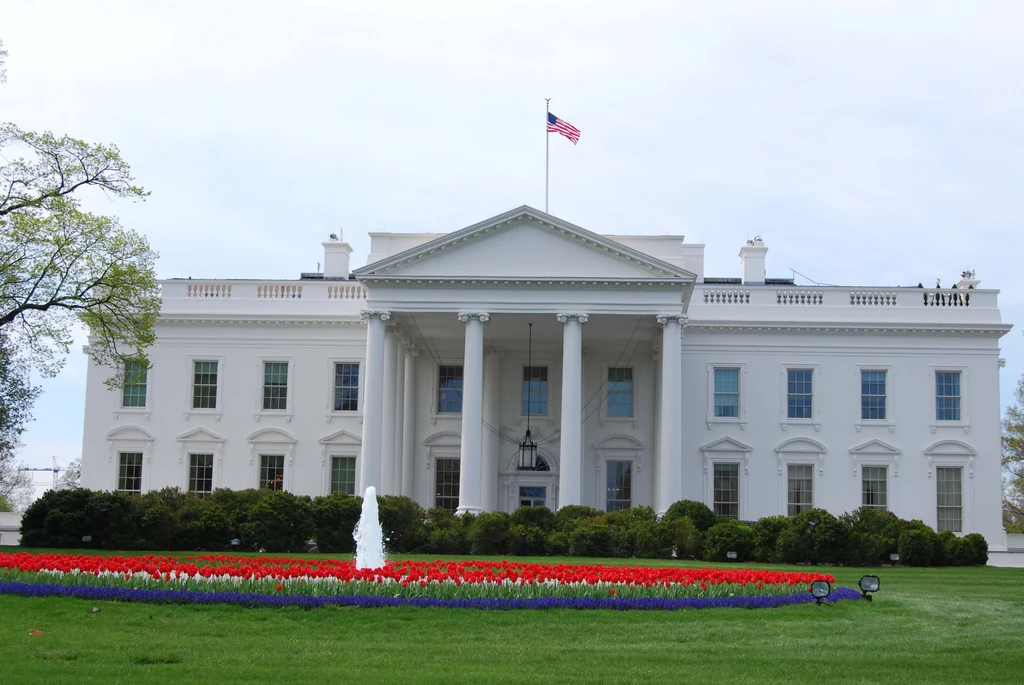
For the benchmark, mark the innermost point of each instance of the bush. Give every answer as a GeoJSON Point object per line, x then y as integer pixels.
{"type": "Point", "coordinates": [865, 549]}
{"type": "Point", "coordinates": [526, 540]}
{"type": "Point", "coordinates": [556, 544]}
{"type": "Point", "coordinates": [687, 541]}
{"type": "Point", "coordinates": [637, 533]}
{"type": "Point", "coordinates": [766, 536]}
{"type": "Point", "coordinates": [729, 536]}
{"type": "Point", "coordinates": [592, 537]}
{"type": "Point", "coordinates": [539, 517]}
{"type": "Point", "coordinates": [698, 512]}
{"type": "Point", "coordinates": [792, 547]}
{"type": "Point", "coordinates": [401, 519]}
{"type": "Point", "coordinates": [280, 522]}
{"type": "Point", "coordinates": [977, 549]}
{"type": "Point", "coordinates": [917, 546]}
{"type": "Point", "coordinates": [334, 521]}
{"type": "Point", "coordinates": [874, 534]}
{"type": "Point", "coordinates": [446, 533]}
{"type": "Point", "coordinates": [216, 527]}
{"type": "Point", "coordinates": [489, 533]}
{"type": "Point", "coordinates": [570, 516]}
{"type": "Point", "coordinates": [829, 539]}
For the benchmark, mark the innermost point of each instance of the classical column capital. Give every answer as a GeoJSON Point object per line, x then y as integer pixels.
{"type": "Point", "coordinates": [681, 319]}
{"type": "Point", "coordinates": [382, 314]}
{"type": "Point", "coordinates": [494, 352]}
{"type": "Point", "coordinates": [578, 316]}
{"type": "Point", "coordinates": [483, 317]}
{"type": "Point", "coordinates": [414, 351]}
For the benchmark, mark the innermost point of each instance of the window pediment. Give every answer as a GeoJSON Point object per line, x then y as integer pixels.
{"type": "Point", "coordinates": [726, 445]}
{"type": "Point", "coordinates": [801, 446]}
{"type": "Point", "coordinates": [133, 433]}
{"type": "Point", "coordinates": [199, 435]}
{"type": "Point", "coordinates": [950, 448]}
{"type": "Point", "coordinates": [874, 447]}
{"type": "Point", "coordinates": [272, 436]}
{"type": "Point", "coordinates": [341, 437]}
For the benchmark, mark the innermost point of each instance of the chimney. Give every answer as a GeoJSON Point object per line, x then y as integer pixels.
{"type": "Point", "coordinates": [968, 281]}
{"type": "Point", "coordinates": [752, 258]}
{"type": "Point", "coordinates": [336, 257]}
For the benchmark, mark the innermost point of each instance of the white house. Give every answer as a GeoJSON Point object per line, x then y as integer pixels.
{"type": "Point", "coordinates": [641, 381]}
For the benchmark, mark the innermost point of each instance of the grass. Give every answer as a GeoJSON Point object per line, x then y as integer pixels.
{"type": "Point", "coordinates": [950, 625]}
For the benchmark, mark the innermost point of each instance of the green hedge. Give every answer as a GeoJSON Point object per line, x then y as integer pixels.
{"type": "Point", "coordinates": [282, 522]}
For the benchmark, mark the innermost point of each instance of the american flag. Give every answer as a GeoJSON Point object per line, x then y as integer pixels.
{"type": "Point", "coordinates": [556, 125]}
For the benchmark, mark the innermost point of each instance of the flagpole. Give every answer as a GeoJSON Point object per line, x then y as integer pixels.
{"type": "Point", "coordinates": [547, 150]}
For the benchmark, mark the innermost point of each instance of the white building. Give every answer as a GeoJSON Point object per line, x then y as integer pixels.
{"type": "Point", "coordinates": [648, 382]}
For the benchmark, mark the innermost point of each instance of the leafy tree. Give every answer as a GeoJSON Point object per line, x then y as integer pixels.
{"type": "Point", "coordinates": [16, 397]}
{"type": "Point", "coordinates": [3, 59]}
{"type": "Point", "coordinates": [1013, 463]}
{"type": "Point", "coordinates": [72, 476]}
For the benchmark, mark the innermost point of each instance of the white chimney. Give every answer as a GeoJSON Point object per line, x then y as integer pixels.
{"type": "Point", "coordinates": [336, 257]}
{"type": "Point", "coordinates": [967, 281]}
{"type": "Point", "coordinates": [752, 258]}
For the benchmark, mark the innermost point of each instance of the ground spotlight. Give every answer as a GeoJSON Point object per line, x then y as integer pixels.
{"type": "Point", "coordinates": [821, 589]}
{"type": "Point", "coordinates": [868, 584]}
{"type": "Point", "coordinates": [894, 558]}
{"type": "Point", "coordinates": [730, 555]}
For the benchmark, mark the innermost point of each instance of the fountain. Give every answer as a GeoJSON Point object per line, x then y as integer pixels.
{"type": "Point", "coordinates": [368, 534]}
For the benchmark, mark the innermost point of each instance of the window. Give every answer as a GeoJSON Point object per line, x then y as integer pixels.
{"type": "Point", "coordinates": [872, 395]}
{"type": "Point", "coordinates": [950, 498]}
{"type": "Point", "coordinates": [271, 472]}
{"type": "Point", "coordinates": [532, 496]}
{"type": "Point", "coordinates": [947, 395]}
{"type": "Point", "coordinates": [801, 484]}
{"type": "Point", "coordinates": [446, 481]}
{"type": "Point", "coordinates": [275, 386]}
{"type": "Point", "coordinates": [343, 475]}
{"type": "Point", "coordinates": [534, 398]}
{"type": "Point", "coordinates": [133, 394]}
{"type": "Point", "coordinates": [727, 393]}
{"type": "Point", "coordinates": [874, 486]}
{"type": "Point", "coordinates": [346, 387]}
{"type": "Point", "coordinates": [204, 385]}
{"type": "Point", "coordinates": [129, 472]}
{"type": "Point", "coordinates": [449, 389]}
{"type": "Point", "coordinates": [620, 485]}
{"type": "Point", "coordinates": [727, 490]}
{"type": "Point", "coordinates": [200, 473]}
{"type": "Point", "coordinates": [620, 392]}
{"type": "Point", "coordinates": [798, 393]}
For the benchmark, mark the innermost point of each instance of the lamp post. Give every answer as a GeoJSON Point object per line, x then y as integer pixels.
{"type": "Point", "coordinates": [812, 526]}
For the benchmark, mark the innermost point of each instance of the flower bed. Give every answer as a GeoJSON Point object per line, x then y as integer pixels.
{"type": "Point", "coordinates": [310, 583]}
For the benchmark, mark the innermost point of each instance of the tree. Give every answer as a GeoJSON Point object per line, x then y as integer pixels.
{"type": "Point", "coordinates": [3, 59]}
{"type": "Point", "coordinates": [72, 476]}
{"type": "Point", "coordinates": [1013, 463]}
{"type": "Point", "coordinates": [16, 397]}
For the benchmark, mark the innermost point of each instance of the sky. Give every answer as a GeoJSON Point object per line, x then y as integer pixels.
{"type": "Point", "coordinates": [874, 143]}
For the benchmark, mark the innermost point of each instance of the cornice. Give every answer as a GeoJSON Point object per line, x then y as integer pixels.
{"type": "Point", "coordinates": [248, 319]}
{"type": "Point", "coordinates": [483, 283]}
{"type": "Point", "coordinates": [996, 330]}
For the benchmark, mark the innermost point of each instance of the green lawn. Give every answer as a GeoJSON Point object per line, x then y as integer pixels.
{"type": "Point", "coordinates": [952, 625]}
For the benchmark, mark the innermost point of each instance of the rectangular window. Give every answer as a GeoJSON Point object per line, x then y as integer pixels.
{"type": "Point", "coordinates": [950, 499]}
{"type": "Point", "coordinates": [947, 395]}
{"type": "Point", "coordinates": [801, 484]}
{"type": "Point", "coordinates": [534, 400]}
{"type": "Point", "coordinates": [204, 385]}
{"type": "Point", "coordinates": [620, 392]}
{"type": "Point", "coordinates": [346, 387]}
{"type": "Point", "coordinates": [872, 395]}
{"type": "Point", "coordinates": [449, 389]}
{"type": "Point", "coordinates": [727, 490]}
{"type": "Point", "coordinates": [133, 394]}
{"type": "Point", "coordinates": [620, 485]}
{"type": "Point", "coordinates": [129, 472]}
{"type": "Point", "coordinates": [798, 393]}
{"type": "Point", "coordinates": [874, 487]}
{"type": "Point", "coordinates": [272, 471]}
{"type": "Point", "coordinates": [275, 386]}
{"type": "Point", "coordinates": [727, 393]}
{"type": "Point", "coordinates": [343, 475]}
{"type": "Point", "coordinates": [446, 482]}
{"type": "Point", "coordinates": [532, 496]}
{"type": "Point", "coordinates": [200, 473]}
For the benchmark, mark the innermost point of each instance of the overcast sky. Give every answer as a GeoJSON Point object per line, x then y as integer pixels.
{"type": "Point", "coordinates": [868, 143]}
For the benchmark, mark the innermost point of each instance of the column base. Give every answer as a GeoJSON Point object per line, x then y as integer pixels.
{"type": "Point", "coordinates": [468, 510]}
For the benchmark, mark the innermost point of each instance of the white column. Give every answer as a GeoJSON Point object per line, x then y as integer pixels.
{"type": "Point", "coordinates": [670, 442]}
{"type": "Point", "coordinates": [399, 458]}
{"type": "Point", "coordinates": [570, 476]}
{"type": "Point", "coordinates": [409, 421]}
{"type": "Point", "coordinates": [472, 412]}
{"type": "Point", "coordinates": [387, 442]}
{"type": "Point", "coordinates": [492, 441]}
{"type": "Point", "coordinates": [373, 399]}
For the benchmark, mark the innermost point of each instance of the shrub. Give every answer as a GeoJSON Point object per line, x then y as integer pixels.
{"type": "Point", "coordinates": [865, 549]}
{"type": "Point", "coordinates": [446, 533]}
{"type": "Point", "coordinates": [977, 549]}
{"type": "Point", "coordinates": [729, 536]}
{"type": "Point", "coordinates": [830, 536]}
{"type": "Point", "coordinates": [216, 527]}
{"type": "Point", "coordinates": [525, 540]}
{"type": "Point", "coordinates": [698, 512]}
{"type": "Point", "coordinates": [917, 547]}
{"type": "Point", "coordinates": [334, 520]}
{"type": "Point", "coordinates": [872, 532]}
{"type": "Point", "coordinates": [556, 544]}
{"type": "Point", "coordinates": [686, 539]}
{"type": "Point", "coordinates": [280, 522]}
{"type": "Point", "coordinates": [489, 533]}
{"type": "Point", "coordinates": [570, 516]}
{"type": "Point", "coordinates": [401, 519]}
{"type": "Point", "coordinates": [593, 537]}
{"type": "Point", "coordinates": [766, 535]}
{"type": "Point", "coordinates": [637, 533]}
{"type": "Point", "coordinates": [792, 547]}
{"type": "Point", "coordinates": [539, 517]}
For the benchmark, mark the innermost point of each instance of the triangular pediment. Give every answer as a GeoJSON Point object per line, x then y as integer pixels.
{"type": "Point", "coordinates": [342, 437]}
{"type": "Point", "coordinates": [199, 435]}
{"type": "Point", "coordinates": [519, 245]}
{"type": "Point", "coordinates": [726, 445]}
{"type": "Point", "coordinates": [875, 447]}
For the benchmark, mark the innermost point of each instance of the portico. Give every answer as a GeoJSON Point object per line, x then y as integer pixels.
{"type": "Point", "coordinates": [447, 326]}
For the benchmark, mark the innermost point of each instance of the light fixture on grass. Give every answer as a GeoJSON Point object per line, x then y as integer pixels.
{"type": "Point", "coordinates": [236, 542]}
{"type": "Point", "coordinates": [86, 538]}
{"type": "Point", "coordinates": [821, 589]}
{"type": "Point", "coordinates": [894, 558]}
{"type": "Point", "coordinates": [730, 555]}
{"type": "Point", "coordinates": [868, 584]}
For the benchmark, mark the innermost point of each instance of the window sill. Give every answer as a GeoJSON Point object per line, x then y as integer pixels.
{"type": "Point", "coordinates": [434, 417]}
{"type": "Point", "coordinates": [261, 414]}
{"type": "Point", "coordinates": [875, 423]}
{"type": "Point", "coordinates": [215, 413]}
{"type": "Point", "coordinates": [712, 420]}
{"type": "Point", "coordinates": [786, 423]}
{"type": "Point", "coordinates": [331, 415]}
{"type": "Point", "coordinates": [534, 418]}
{"type": "Point", "coordinates": [605, 420]}
{"type": "Point", "coordinates": [965, 426]}
{"type": "Point", "coordinates": [144, 411]}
